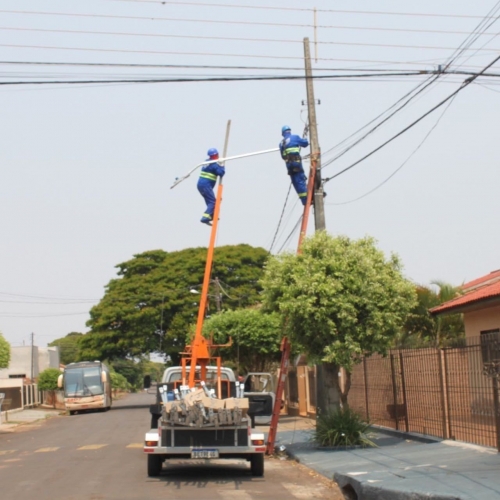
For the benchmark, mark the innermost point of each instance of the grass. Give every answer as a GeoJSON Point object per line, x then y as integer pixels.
{"type": "Point", "coordinates": [343, 428]}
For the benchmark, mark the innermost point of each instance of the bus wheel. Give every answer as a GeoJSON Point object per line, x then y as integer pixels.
{"type": "Point", "coordinates": [257, 464]}
{"type": "Point", "coordinates": [154, 465]}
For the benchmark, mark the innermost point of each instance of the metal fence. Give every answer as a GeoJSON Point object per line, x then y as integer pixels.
{"type": "Point", "coordinates": [451, 393]}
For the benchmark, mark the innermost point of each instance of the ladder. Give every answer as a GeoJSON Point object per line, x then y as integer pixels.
{"type": "Point", "coordinates": [285, 356]}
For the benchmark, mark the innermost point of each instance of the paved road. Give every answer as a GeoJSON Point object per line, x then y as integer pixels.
{"type": "Point", "coordinates": [99, 456]}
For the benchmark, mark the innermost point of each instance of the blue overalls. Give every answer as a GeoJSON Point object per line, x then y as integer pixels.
{"type": "Point", "coordinates": [206, 183]}
{"type": "Point", "coordinates": [290, 152]}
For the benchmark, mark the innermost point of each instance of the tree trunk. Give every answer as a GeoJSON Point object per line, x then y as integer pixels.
{"type": "Point", "coordinates": [347, 385]}
{"type": "Point", "coordinates": [327, 388]}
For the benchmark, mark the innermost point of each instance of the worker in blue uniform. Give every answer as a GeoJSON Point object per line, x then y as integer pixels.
{"type": "Point", "coordinates": [206, 183]}
{"type": "Point", "coordinates": [290, 152]}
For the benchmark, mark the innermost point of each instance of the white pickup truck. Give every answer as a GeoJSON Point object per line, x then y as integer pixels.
{"type": "Point", "coordinates": [211, 433]}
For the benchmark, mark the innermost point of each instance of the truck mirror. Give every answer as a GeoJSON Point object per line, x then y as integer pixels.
{"type": "Point", "coordinates": [60, 381]}
{"type": "Point", "coordinates": [104, 377]}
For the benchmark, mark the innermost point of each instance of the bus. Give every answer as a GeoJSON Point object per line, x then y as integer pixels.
{"type": "Point", "coordinates": [87, 386]}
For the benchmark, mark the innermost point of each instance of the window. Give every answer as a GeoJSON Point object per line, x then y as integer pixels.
{"type": "Point", "coordinates": [490, 345]}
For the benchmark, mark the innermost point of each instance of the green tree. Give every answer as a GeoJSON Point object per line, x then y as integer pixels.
{"type": "Point", "coordinates": [47, 380]}
{"type": "Point", "coordinates": [4, 352]}
{"type": "Point", "coordinates": [118, 381]}
{"type": "Point", "coordinates": [69, 347]}
{"type": "Point", "coordinates": [423, 329]}
{"type": "Point", "coordinates": [149, 307]}
{"type": "Point", "coordinates": [256, 338]}
{"type": "Point", "coordinates": [339, 299]}
{"type": "Point", "coordinates": [130, 370]}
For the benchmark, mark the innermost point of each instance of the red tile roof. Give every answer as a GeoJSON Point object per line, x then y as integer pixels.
{"type": "Point", "coordinates": [484, 280]}
{"type": "Point", "coordinates": [476, 290]}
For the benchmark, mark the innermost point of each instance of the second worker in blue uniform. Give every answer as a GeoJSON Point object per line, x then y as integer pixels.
{"type": "Point", "coordinates": [290, 152]}
{"type": "Point", "coordinates": [206, 183]}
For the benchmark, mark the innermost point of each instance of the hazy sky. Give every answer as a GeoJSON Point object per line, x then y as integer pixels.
{"type": "Point", "coordinates": [87, 168]}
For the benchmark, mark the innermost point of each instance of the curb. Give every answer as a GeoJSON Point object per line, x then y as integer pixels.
{"type": "Point", "coordinates": [413, 436]}
{"type": "Point", "coordinates": [360, 490]}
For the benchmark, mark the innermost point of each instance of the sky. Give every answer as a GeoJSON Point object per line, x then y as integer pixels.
{"type": "Point", "coordinates": [87, 168]}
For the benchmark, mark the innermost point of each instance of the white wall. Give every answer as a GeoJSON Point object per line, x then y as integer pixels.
{"type": "Point", "coordinates": [21, 361]}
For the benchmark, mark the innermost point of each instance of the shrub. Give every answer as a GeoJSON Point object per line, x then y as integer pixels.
{"type": "Point", "coordinates": [47, 380]}
{"type": "Point", "coordinates": [343, 427]}
{"type": "Point", "coordinates": [118, 381]}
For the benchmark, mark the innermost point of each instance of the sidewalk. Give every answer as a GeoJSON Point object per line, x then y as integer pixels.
{"type": "Point", "coordinates": [26, 416]}
{"type": "Point", "coordinates": [402, 468]}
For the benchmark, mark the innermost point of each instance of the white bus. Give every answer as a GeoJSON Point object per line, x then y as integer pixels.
{"type": "Point", "coordinates": [87, 386]}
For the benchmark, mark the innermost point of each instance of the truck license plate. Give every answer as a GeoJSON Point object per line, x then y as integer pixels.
{"type": "Point", "coordinates": [199, 453]}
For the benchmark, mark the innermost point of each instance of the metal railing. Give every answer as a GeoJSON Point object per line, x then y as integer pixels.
{"type": "Point", "coordinates": [450, 393]}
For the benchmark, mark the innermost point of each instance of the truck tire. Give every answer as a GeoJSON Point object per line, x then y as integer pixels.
{"type": "Point", "coordinates": [154, 465]}
{"type": "Point", "coordinates": [257, 464]}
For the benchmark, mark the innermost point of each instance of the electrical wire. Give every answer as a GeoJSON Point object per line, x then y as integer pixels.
{"type": "Point", "coordinates": [464, 85]}
{"type": "Point", "coordinates": [199, 79]}
{"type": "Point", "coordinates": [291, 234]}
{"type": "Point", "coordinates": [281, 218]}
{"type": "Point", "coordinates": [402, 165]}
{"type": "Point", "coordinates": [218, 21]}
{"type": "Point", "coordinates": [225, 38]}
{"type": "Point", "coordinates": [414, 93]}
{"type": "Point", "coordinates": [303, 9]}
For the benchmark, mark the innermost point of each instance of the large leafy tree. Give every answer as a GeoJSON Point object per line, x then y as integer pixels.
{"type": "Point", "coordinates": [339, 299]}
{"type": "Point", "coordinates": [149, 307]}
{"type": "Point", "coordinates": [256, 338]}
{"type": "Point", "coordinates": [4, 352]}
{"type": "Point", "coordinates": [69, 347]}
{"type": "Point", "coordinates": [423, 329]}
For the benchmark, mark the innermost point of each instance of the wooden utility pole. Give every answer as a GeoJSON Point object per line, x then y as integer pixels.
{"type": "Point", "coordinates": [327, 394]}
{"type": "Point", "coordinates": [319, 207]}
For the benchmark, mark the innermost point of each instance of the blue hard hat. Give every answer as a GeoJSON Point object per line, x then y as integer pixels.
{"type": "Point", "coordinates": [212, 152]}
{"type": "Point", "coordinates": [285, 128]}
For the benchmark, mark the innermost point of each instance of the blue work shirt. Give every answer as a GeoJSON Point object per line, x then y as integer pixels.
{"type": "Point", "coordinates": [291, 144]}
{"type": "Point", "coordinates": [210, 172]}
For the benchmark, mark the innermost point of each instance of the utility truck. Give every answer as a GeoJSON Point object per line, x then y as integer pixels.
{"type": "Point", "coordinates": [201, 411]}
{"type": "Point", "coordinates": [194, 423]}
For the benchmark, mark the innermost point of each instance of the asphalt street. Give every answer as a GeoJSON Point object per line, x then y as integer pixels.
{"type": "Point", "coordinates": [99, 456]}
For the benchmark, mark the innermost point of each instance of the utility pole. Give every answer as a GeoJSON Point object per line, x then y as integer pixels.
{"type": "Point", "coordinates": [32, 355]}
{"type": "Point", "coordinates": [218, 295]}
{"type": "Point", "coordinates": [319, 207]}
{"type": "Point", "coordinates": [327, 394]}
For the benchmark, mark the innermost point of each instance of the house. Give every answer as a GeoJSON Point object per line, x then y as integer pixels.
{"type": "Point", "coordinates": [27, 362]}
{"type": "Point", "coordinates": [480, 305]}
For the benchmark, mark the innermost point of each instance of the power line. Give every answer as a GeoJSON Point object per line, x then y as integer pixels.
{"type": "Point", "coordinates": [48, 297]}
{"type": "Point", "coordinates": [281, 218]}
{"type": "Point", "coordinates": [212, 54]}
{"type": "Point", "coordinates": [402, 165]}
{"type": "Point", "coordinates": [249, 23]}
{"type": "Point", "coordinates": [305, 9]}
{"type": "Point", "coordinates": [465, 84]}
{"type": "Point", "coordinates": [9, 315]}
{"type": "Point", "coordinates": [291, 234]}
{"type": "Point", "coordinates": [186, 66]}
{"type": "Point", "coordinates": [200, 79]}
{"type": "Point", "coordinates": [244, 39]}
{"type": "Point", "coordinates": [414, 93]}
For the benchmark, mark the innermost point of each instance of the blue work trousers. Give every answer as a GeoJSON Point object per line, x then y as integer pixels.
{"type": "Point", "coordinates": [207, 191]}
{"type": "Point", "coordinates": [299, 181]}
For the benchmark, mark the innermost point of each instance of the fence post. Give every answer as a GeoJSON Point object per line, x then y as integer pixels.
{"type": "Point", "coordinates": [442, 391]}
{"type": "Point", "coordinates": [497, 410]}
{"type": "Point", "coordinates": [394, 392]}
{"type": "Point", "coordinates": [403, 386]}
{"type": "Point", "coordinates": [365, 374]}
{"type": "Point", "coordinates": [447, 389]}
